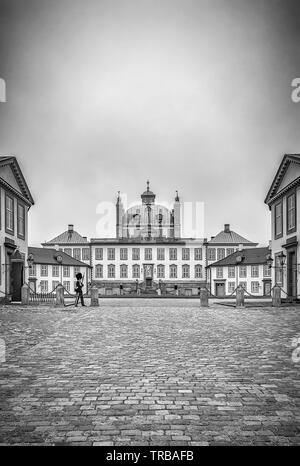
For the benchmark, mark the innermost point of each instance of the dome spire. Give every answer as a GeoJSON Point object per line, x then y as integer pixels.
{"type": "Point", "coordinates": [148, 197]}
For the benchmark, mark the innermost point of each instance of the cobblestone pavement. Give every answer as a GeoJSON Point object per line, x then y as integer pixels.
{"type": "Point", "coordinates": [149, 372]}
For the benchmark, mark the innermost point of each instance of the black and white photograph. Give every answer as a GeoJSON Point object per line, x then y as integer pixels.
{"type": "Point", "coordinates": [150, 226]}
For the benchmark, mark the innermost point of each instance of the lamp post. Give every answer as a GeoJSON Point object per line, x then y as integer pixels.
{"type": "Point", "coordinates": [59, 260]}
{"type": "Point", "coordinates": [30, 261]}
{"type": "Point", "coordinates": [281, 258]}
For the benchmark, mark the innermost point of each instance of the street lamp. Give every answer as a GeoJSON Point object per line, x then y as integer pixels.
{"type": "Point", "coordinates": [59, 260]}
{"type": "Point", "coordinates": [281, 257]}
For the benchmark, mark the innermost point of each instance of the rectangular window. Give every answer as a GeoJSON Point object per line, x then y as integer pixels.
{"type": "Point", "coordinates": [66, 285]}
{"type": "Point", "coordinates": [9, 214]}
{"type": "Point", "coordinates": [254, 271]}
{"type": "Point", "coordinates": [148, 254]}
{"type": "Point", "coordinates": [198, 271]}
{"type": "Point", "coordinates": [229, 251]}
{"type": "Point", "coordinates": [211, 254]}
{"type": "Point", "coordinates": [111, 271]}
{"type": "Point", "coordinates": [231, 272]}
{"type": "Point", "coordinates": [291, 213]}
{"type": "Point", "coordinates": [136, 271]}
{"type": "Point", "coordinates": [55, 283]}
{"type": "Point", "coordinates": [160, 271]}
{"type": "Point", "coordinates": [221, 253]}
{"type": "Point", "coordinates": [160, 254]}
{"type": "Point", "coordinates": [76, 270]}
{"type": "Point", "coordinates": [185, 271]}
{"type": "Point", "coordinates": [55, 271]}
{"type": "Point", "coordinates": [267, 271]}
{"type": "Point", "coordinates": [111, 254]}
{"type": "Point", "coordinates": [198, 254]}
{"type": "Point", "coordinates": [219, 272]}
{"type": "Point", "coordinates": [85, 254]}
{"type": "Point", "coordinates": [21, 221]}
{"type": "Point", "coordinates": [173, 254]}
{"type": "Point", "coordinates": [123, 271]}
{"type": "Point", "coordinates": [66, 271]}
{"type": "Point", "coordinates": [173, 271]}
{"type": "Point", "coordinates": [231, 287]}
{"type": "Point", "coordinates": [44, 270]}
{"type": "Point", "coordinates": [254, 287]}
{"type": "Point", "coordinates": [278, 271]}
{"type": "Point", "coordinates": [44, 286]}
{"type": "Point", "coordinates": [32, 270]}
{"type": "Point", "coordinates": [99, 271]}
{"type": "Point", "coordinates": [278, 220]}
{"type": "Point", "coordinates": [77, 253]}
{"type": "Point", "coordinates": [243, 271]}
{"type": "Point", "coordinates": [68, 251]}
{"type": "Point", "coordinates": [186, 254]}
{"type": "Point", "coordinates": [99, 254]}
{"type": "Point", "coordinates": [135, 254]}
{"type": "Point", "coordinates": [123, 254]}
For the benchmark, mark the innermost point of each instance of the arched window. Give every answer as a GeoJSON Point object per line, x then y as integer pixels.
{"type": "Point", "coordinates": [185, 271]}
{"type": "Point", "coordinates": [111, 271]}
{"type": "Point", "coordinates": [123, 271]}
{"type": "Point", "coordinates": [198, 271]}
{"type": "Point", "coordinates": [135, 271]}
{"type": "Point", "coordinates": [99, 271]}
{"type": "Point", "coordinates": [173, 271]}
{"type": "Point", "coordinates": [160, 271]}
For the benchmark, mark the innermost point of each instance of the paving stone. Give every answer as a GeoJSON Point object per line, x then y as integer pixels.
{"type": "Point", "coordinates": [149, 372]}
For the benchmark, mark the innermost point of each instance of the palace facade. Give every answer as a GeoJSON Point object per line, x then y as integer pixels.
{"type": "Point", "coordinates": [15, 202]}
{"type": "Point", "coordinates": [148, 254]}
{"type": "Point", "coordinates": [283, 200]}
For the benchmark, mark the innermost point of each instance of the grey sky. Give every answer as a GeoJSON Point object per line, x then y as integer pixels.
{"type": "Point", "coordinates": [194, 95]}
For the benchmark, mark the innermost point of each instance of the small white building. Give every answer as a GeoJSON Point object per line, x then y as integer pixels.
{"type": "Point", "coordinates": [283, 200]}
{"type": "Point", "coordinates": [246, 267]}
{"type": "Point", "coordinates": [50, 267]}
{"type": "Point", "coordinates": [15, 202]}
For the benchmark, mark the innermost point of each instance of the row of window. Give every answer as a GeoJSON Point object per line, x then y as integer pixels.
{"type": "Point", "coordinates": [291, 215]}
{"type": "Point", "coordinates": [148, 254]}
{"type": "Point", "coordinates": [77, 254]}
{"type": "Point", "coordinates": [255, 286]}
{"type": "Point", "coordinates": [214, 254]}
{"type": "Point", "coordinates": [243, 271]}
{"type": "Point", "coordinates": [44, 286]}
{"type": "Point", "coordinates": [136, 271]}
{"type": "Point", "coordinates": [10, 217]}
{"type": "Point", "coordinates": [44, 270]}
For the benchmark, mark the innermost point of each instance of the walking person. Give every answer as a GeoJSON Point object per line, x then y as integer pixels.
{"type": "Point", "coordinates": [78, 289]}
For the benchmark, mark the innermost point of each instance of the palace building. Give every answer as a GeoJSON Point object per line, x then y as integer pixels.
{"type": "Point", "coordinates": [148, 254]}
{"type": "Point", "coordinates": [283, 200]}
{"type": "Point", "coordinates": [15, 202]}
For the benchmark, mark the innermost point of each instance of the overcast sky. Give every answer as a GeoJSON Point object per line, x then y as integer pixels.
{"type": "Point", "coordinates": [193, 94]}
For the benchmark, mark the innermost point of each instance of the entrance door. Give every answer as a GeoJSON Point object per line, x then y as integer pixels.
{"type": "Point", "coordinates": [220, 290]}
{"type": "Point", "coordinates": [16, 280]}
{"type": "Point", "coordinates": [267, 288]}
{"type": "Point", "coordinates": [291, 274]}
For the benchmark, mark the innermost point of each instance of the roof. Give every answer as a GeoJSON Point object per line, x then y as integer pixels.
{"type": "Point", "coordinates": [12, 161]}
{"type": "Point", "coordinates": [48, 256]}
{"type": "Point", "coordinates": [286, 161]}
{"type": "Point", "coordinates": [254, 256]}
{"type": "Point", "coordinates": [230, 237]}
{"type": "Point", "coordinates": [68, 237]}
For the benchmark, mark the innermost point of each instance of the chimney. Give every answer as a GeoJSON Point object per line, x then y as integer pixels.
{"type": "Point", "coordinates": [212, 237]}
{"type": "Point", "coordinates": [85, 238]}
{"type": "Point", "coordinates": [70, 228]}
{"type": "Point", "coordinates": [227, 228]}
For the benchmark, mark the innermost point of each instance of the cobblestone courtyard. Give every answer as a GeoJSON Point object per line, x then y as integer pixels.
{"type": "Point", "coordinates": [149, 372]}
